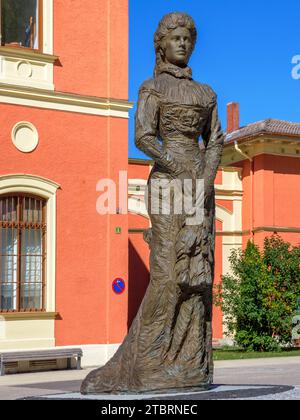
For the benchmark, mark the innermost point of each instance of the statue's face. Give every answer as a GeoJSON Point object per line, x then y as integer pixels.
{"type": "Point", "coordinates": [177, 47]}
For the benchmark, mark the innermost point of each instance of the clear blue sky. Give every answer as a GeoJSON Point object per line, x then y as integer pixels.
{"type": "Point", "coordinates": [244, 51]}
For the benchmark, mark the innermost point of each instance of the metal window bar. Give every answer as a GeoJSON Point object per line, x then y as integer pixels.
{"type": "Point", "coordinates": [23, 257]}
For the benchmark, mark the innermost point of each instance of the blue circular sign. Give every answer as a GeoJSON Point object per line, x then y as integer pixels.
{"type": "Point", "coordinates": [118, 286]}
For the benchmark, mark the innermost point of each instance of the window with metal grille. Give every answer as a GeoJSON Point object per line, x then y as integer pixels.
{"type": "Point", "coordinates": [21, 23]}
{"type": "Point", "coordinates": [22, 246]}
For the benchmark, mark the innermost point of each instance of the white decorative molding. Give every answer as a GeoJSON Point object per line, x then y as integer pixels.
{"type": "Point", "coordinates": [48, 28]}
{"type": "Point", "coordinates": [23, 54]}
{"type": "Point", "coordinates": [25, 137]}
{"type": "Point", "coordinates": [137, 205]}
{"type": "Point", "coordinates": [232, 191]}
{"type": "Point", "coordinates": [136, 199]}
{"type": "Point", "coordinates": [31, 72]}
{"type": "Point", "coordinates": [46, 186]}
{"type": "Point", "coordinates": [231, 181]}
{"type": "Point", "coordinates": [231, 224]}
{"type": "Point", "coordinates": [66, 102]}
{"type": "Point", "coordinates": [137, 186]}
{"type": "Point", "coordinates": [138, 182]}
{"type": "Point", "coordinates": [262, 145]}
{"type": "Point", "coordinates": [24, 69]}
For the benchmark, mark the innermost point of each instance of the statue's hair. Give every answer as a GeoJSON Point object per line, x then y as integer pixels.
{"type": "Point", "coordinates": [167, 24]}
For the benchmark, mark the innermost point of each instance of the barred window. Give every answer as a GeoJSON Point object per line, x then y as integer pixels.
{"type": "Point", "coordinates": [21, 23]}
{"type": "Point", "coordinates": [22, 246]}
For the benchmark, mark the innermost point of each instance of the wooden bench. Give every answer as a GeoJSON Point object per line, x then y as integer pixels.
{"type": "Point", "coordinates": [35, 355]}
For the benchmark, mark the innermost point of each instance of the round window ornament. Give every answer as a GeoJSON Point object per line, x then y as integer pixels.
{"type": "Point", "coordinates": [25, 137]}
{"type": "Point", "coordinates": [24, 69]}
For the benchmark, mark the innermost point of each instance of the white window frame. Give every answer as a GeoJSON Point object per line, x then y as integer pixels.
{"type": "Point", "coordinates": [46, 189]}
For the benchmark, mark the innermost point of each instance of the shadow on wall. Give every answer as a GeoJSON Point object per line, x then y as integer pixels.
{"type": "Point", "coordinates": [139, 278]}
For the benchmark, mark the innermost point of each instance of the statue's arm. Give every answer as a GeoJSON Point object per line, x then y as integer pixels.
{"type": "Point", "coordinates": [213, 137]}
{"type": "Point", "coordinates": [146, 130]}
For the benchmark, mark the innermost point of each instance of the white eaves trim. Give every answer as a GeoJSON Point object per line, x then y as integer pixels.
{"type": "Point", "coordinates": [60, 101]}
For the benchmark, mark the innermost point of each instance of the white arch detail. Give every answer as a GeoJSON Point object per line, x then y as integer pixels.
{"type": "Point", "coordinates": [136, 205]}
{"type": "Point", "coordinates": [226, 217]}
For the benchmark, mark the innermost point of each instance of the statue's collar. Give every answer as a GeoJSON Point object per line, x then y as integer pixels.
{"type": "Point", "coordinates": [180, 73]}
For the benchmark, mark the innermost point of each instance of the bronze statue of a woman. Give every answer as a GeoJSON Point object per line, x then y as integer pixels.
{"type": "Point", "coordinates": [169, 345]}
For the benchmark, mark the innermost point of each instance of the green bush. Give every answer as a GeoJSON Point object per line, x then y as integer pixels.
{"type": "Point", "coordinates": [260, 298]}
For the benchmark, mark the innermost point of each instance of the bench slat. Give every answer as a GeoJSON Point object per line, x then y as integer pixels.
{"type": "Point", "coordinates": [46, 353]}
{"type": "Point", "coordinates": [16, 358]}
{"type": "Point", "coordinates": [40, 355]}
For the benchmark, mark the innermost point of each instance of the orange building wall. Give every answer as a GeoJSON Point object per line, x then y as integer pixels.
{"type": "Point", "coordinates": [271, 197]}
{"type": "Point", "coordinates": [227, 204]}
{"type": "Point", "coordinates": [92, 45]}
{"type": "Point", "coordinates": [286, 190]}
{"type": "Point", "coordinates": [139, 253]}
{"type": "Point", "coordinates": [219, 178]}
{"type": "Point", "coordinates": [117, 251]}
{"type": "Point", "coordinates": [139, 274]}
{"type": "Point", "coordinates": [75, 151]}
{"type": "Point", "coordinates": [138, 171]}
{"type": "Point", "coordinates": [118, 54]}
{"type": "Point", "coordinates": [277, 196]}
{"type": "Point", "coordinates": [292, 238]}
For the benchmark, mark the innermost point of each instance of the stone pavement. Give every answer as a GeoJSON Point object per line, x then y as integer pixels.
{"type": "Point", "coordinates": [13, 387]}
{"type": "Point", "coordinates": [272, 371]}
{"type": "Point", "coordinates": [219, 392]}
{"type": "Point", "coordinates": [275, 378]}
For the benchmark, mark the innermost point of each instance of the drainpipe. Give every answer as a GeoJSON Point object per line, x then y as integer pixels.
{"type": "Point", "coordinates": [239, 150]}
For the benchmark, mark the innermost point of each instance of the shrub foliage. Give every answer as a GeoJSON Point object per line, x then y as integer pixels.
{"type": "Point", "coordinates": [260, 298]}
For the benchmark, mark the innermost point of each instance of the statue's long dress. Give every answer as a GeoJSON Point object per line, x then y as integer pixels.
{"type": "Point", "coordinates": [169, 344]}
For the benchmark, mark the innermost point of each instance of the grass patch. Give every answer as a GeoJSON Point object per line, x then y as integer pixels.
{"type": "Point", "coordinates": [238, 354]}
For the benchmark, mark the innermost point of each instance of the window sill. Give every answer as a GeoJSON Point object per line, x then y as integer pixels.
{"type": "Point", "coordinates": [28, 68]}
{"type": "Point", "coordinates": [27, 53]}
{"type": "Point", "coordinates": [26, 316]}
